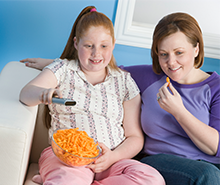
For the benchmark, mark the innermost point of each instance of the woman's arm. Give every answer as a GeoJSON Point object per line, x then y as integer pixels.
{"type": "Point", "coordinates": [40, 89]}
{"type": "Point", "coordinates": [133, 142]}
{"type": "Point", "coordinates": [205, 137]}
{"type": "Point", "coordinates": [37, 63]}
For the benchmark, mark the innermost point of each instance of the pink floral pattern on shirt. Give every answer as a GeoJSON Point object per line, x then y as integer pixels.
{"type": "Point", "coordinates": [99, 108]}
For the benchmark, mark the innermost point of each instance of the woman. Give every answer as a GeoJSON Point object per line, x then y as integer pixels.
{"type": "Point", "coordinates": [181, 120]}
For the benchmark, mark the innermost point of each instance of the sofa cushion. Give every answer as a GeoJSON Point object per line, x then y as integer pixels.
{"type": "Point", "coordinates": [17, 123]}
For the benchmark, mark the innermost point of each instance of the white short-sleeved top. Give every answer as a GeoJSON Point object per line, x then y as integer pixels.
{"type": "Point", "coordinates": [99, 108]}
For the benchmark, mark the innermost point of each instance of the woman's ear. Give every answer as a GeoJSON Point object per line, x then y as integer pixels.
{"type": "Point", "coordinates": [75, 42]}
{"type": "Point", "coordinates": [197, 50]}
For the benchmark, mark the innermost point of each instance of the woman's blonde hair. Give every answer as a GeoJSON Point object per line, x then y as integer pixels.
{"type": "Point", "coordinates": [171, 24]}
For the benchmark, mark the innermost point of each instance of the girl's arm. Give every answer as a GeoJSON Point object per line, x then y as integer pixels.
{"type": "Point", "coordinates": [133, 143]}
{"type": "Point", "coordinates": [37, 63]}
{"type": "Point", "coordinates": [205, 137]}
{"type": "Point", "coordinates": [40, 89]}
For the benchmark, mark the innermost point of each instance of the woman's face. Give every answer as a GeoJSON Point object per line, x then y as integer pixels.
{"type": "Point", "coordinates": [95, 49]}
{"type": "Point", "coordinates": [176, 57]}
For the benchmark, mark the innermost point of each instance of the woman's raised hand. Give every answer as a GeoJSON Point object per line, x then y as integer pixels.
{"type": "Point", "coordinates": [170, 101]}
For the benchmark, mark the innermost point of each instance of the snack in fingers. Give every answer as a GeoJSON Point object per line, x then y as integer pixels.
{"type": "Point", "coordinates": [168, 81]}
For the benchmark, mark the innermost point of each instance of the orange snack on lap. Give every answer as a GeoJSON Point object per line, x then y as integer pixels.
{"type": "Point", "coordinates": [74, 147]}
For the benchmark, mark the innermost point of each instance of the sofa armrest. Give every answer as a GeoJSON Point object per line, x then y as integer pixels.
{"type": "Point", "coordinates": [17, 123]}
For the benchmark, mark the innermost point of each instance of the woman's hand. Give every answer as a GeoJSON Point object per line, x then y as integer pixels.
{"type": "Point", "coordinates": [203, 136]}
{"type": "Point", "coordinates": [170, 101]}
{"type": "Point", "coordinates": [37, 63]}
{"type": "Point", "coordinates": [104, 161]}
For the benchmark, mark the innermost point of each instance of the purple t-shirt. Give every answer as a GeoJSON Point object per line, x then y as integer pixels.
{"type": "Point", "coordinates": [163, 132]}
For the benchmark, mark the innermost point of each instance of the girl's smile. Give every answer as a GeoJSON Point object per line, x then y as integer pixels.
{"type": "Point", "coordinates": [95, 49]}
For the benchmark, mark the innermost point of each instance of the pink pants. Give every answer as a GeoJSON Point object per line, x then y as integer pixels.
{"type": "Point", "coordinates": [127, 171]}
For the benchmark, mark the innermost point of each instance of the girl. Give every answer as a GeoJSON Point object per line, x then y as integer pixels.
{"type": "Point", "coordinates": [108, 107]}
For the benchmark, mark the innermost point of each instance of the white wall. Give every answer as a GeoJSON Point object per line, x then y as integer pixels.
{"type": "Point", "coordinates": [136, 19]}
{"type": "Point", "coordinates": [206, 12]}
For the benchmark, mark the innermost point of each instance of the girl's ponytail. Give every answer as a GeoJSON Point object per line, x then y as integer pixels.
{"type": "Point", "coordinates": [70, 51]}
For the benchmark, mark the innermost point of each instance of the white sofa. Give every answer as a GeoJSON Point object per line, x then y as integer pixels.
{"type": "Point", "coordinates": [22, 133]}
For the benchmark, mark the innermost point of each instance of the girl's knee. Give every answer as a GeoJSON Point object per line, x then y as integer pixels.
{"type": "Point", "coordinates": [67, 175]}
{"type": "Point", "coordinates": [151, 175]}
{"type": "Point", "coordinates": [144, 174]}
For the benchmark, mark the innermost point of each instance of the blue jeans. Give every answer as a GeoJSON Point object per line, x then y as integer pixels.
{"type": "Point", "coordinates": [182, 171]}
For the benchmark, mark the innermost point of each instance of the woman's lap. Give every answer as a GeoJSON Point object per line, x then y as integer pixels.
{"type": "Point", "coordinates": [177, 170]}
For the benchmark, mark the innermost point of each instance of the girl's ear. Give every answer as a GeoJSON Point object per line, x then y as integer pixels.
{"type": "Point", "coordinates": [114, 43]}
{"type": "Point", "coordinates": [75, 42]}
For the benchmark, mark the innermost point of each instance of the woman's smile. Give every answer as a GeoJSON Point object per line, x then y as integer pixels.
{"type": "Point", "coordinates": [175, 69]}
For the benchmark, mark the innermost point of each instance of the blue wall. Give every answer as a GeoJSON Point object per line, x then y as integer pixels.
{"type": "Point", "coordinates": [41, 28]}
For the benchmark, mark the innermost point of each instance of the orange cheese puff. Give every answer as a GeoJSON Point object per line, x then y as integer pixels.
{"type": "Point", "coordinates": [168, 81]}
{"type": "Point", "coordinates": [76, 142]}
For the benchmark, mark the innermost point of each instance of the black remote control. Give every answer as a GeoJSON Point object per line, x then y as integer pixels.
{"type": "Point", "coordinates": [64, 101]}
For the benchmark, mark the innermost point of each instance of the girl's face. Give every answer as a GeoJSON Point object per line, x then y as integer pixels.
{"type": "Point", "coordinates": [95, 49]}
{"type": "Point", "coordinates": [176, 57]}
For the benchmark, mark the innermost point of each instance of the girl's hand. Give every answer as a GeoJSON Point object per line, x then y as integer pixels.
{"type": "Point", "coordinates": [37, 63]}
{"type": "Point", "coordinates": [47, 94]}
{"type": "Point", "coordinates": [104, 161]}
{"type": "Point", "coordinates": [170, 101]}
